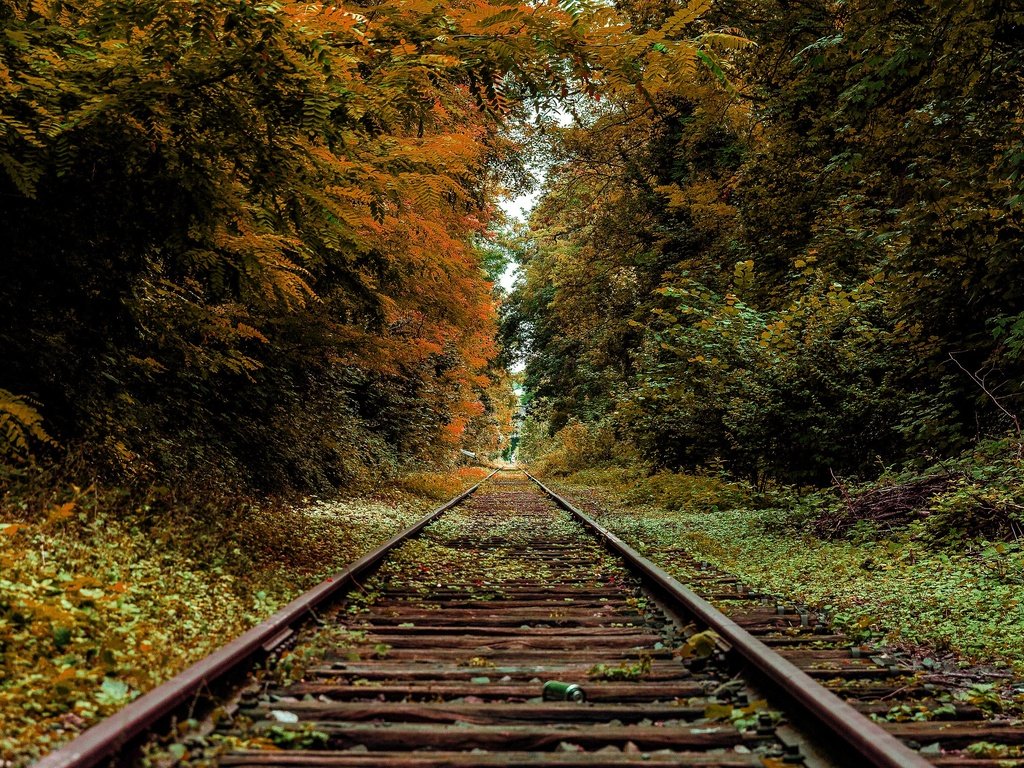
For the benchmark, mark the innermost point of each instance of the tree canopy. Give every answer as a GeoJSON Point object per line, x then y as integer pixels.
{"type": "Point", "coordinates": [805, 258]}
{"type": "Point", "coordinates": [257, 238]}
{"type": "Point", "coordinates": [245, 234]}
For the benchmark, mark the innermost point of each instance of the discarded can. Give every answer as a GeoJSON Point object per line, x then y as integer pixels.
{"type": "Point", "coordinates": [556, 691]}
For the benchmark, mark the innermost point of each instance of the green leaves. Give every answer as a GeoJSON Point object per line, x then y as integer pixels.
{"type": "Point", "coordinates": [113, 693]}
{"type": "Point", "coordinates": [883, 238]}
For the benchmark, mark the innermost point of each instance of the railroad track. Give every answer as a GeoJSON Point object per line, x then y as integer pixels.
{"type": "Point", "coordinates": [907, 701]}
{"type": "Point", "coordinates": [435, 649]}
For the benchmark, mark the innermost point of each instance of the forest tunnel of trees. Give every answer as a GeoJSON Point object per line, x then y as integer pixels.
{"type": "Point", "coordinates": [258, 241]}
{"type": "Point", "coordinates": [769, 303]}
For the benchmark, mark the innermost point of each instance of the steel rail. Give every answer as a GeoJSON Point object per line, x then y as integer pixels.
{"type": "Point", "coordinates": [108, 737]}
{"type": "Point", "coordinates": [871, 743]}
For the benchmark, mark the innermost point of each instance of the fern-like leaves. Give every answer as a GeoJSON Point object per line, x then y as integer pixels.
{"type": "Point", "coordinates": [21, 429]}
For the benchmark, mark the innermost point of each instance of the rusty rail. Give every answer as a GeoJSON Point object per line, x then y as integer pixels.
{"type": "Point", "coordinates": [871, 743]}
{"type": "Point", "coordinates": [108, 737]}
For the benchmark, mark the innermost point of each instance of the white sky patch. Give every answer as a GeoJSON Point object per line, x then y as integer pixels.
{"type": "Point", "coordinates": [520, 208]}
{"type": "Point", "coordinates": [508, 278]}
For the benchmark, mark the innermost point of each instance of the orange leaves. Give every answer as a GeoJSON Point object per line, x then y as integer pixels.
{"type": "Point", "coordinates": [266, 262]}
{"type": "Point", "coordinates": [472, 407]}
{"type": "Point", "coordinates": [454, 430]}
{"type": "Point", "coordinates": [321, 174]}
{"type": "Point", "coordinates": [61, 513]}
{"type": "Point", "coordinates": [404, 49]}
{"type": "Point", "coordinates": [325, 19]}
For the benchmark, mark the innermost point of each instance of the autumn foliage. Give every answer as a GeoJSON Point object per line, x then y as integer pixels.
{"type": "Point", "coordinates": [245, 237]}
{"type": "Point", "coordinates": [239, 236]}
{"type": "Point", "coordinates": [803, 257]}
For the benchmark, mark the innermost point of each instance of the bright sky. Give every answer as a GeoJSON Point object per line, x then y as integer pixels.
{"type": "Point", "coordinates": [517, 208]}
{"type": "Point", "coordinates": [520, 207]}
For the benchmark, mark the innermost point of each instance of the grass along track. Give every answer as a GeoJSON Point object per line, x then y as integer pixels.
{"type": "Point", "coordinates": [953, 718]}
{"type": "Point", "coordinates": [439, 659]}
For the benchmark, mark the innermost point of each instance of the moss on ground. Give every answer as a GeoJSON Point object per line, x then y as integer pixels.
{"type": "Point", "coordinates": [930, 580]}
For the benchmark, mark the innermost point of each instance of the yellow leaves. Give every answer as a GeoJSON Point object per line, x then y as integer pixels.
{"type": "Point", "coordinates": [20, 427]}
{"type": "Point", "coordinates": [48, 612]}
{"type": "Point", "coordinates": [743, 275]}
{"type": "Point", "coordinates": [699, 645]}
{"type": "Point", "coordinates": [72, 632]}
{"type": "Point", "coordinates": [248, 332]}
{"type": "Point", "coordinates": [423, 191]}
{"type": "Point", "coordinates": [125, 454]}
{"type": "Point", "coordinates": [18, 38]}
{"type": "Point", "coordinates": [326, 18]}
{"type": "Point", "coordinates": [43, 8]}
{"type": "Point", "coordinates": [678, 21]}
{"type": "Point", "coordinates": [148, 364]}
{"type": "Point", "coordinates": [671, 71]}
{"type": "Point", "coordinates": [442, 61]}
{"type": "Point", "coordinates": [712, 361]}
{"type": "Point", "coordinates": [703, 199]}
{"type": "Point", "coordinates": [507, 15]}
{"type": "Point", "coordinates": [804, 263]}
{"type": "Point", "coordinates": [725, 41]}
{"type": "Point", "coordinates": [675, 196]}
{"type": "Point", "coordinates": [717, 711]}
{"type": "Point", "coordinates": [264, 262]}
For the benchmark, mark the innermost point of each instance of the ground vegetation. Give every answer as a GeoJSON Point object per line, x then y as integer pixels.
{"type": "Point", "coordinates": [101, 600]}
{"type": "Point", "coordinates": [918, 576]}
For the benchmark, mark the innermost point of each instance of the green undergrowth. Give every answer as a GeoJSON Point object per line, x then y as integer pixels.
{"type": "Point", "coordinates": [105, 594]}
{"type": "Point", "coordinates": [945, 572]}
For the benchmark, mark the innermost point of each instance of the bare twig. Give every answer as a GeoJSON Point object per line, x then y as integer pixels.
{"type": "Point", "coordinates": [890, 506]}
{"type": "Point", "coordinates": [979, 378]}
{"type": "Point", "coordinates": [842, 488]}
{"type": "Point", "coordinates": [896, 692]}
